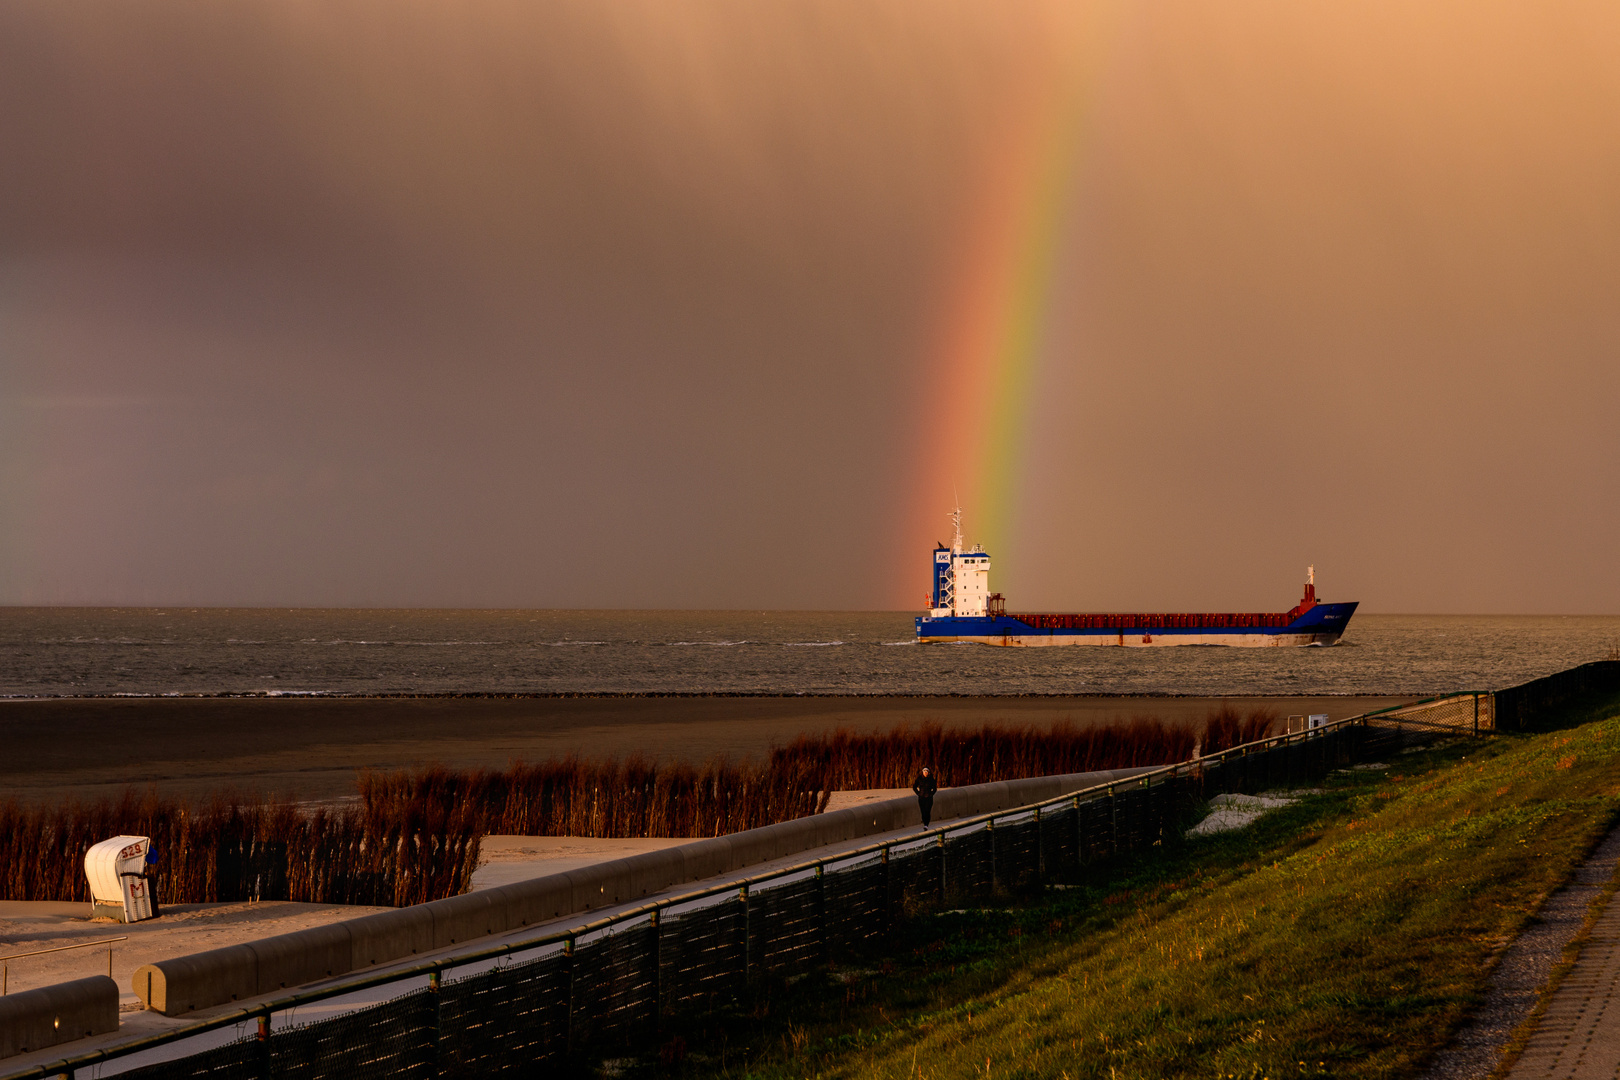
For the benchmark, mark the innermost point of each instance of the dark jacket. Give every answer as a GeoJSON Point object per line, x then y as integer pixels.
{"type": "Point", "coordinates": [924, 786]}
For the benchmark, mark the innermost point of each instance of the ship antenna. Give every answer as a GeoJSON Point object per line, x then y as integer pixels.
{"type": "Point", "coordinates": [956, 522]}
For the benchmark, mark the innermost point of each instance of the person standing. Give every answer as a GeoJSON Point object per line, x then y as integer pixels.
{"type": "Point", "coordinates": [924, 787]}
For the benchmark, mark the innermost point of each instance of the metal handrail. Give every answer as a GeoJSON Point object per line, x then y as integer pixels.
{"type": "Point", "coordinates": [65, 948]}
{"type": "Point", "coordinates": [432, 968]}
{"type": "Point", "coordinates": [5, 961]}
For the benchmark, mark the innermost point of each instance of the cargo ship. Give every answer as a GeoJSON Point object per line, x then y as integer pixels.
{"type": "Point", "coordinates": [961, 607]}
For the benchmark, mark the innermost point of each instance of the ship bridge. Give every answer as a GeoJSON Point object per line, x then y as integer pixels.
{"type": "Point", "coordinates": [961, 578]}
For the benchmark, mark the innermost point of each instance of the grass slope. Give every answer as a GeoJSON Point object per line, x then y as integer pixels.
{"type": "Point", "coordinates": [1343, 936]}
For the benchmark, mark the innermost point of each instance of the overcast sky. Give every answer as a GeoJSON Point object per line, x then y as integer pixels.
{"type": "Point", "coordinates": [637, 304]}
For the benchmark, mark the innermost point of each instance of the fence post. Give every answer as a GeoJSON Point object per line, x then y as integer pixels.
{"type": "Point", "coordinates": [1079, 835]}
{"type": "Point", "coordinates": [888, 890]}
{"type": "Point", "coordinates": [1476, 716]}
{"type": "Point", "coordinates": [942, 889]}
{"type": "Point", "coordinates": [264, 1046]}
{"type": "Point", "coordinates": [1113, 822]}
{"type": "Point", "coordinates": [1144, 814]}
{"type": "Point", "coordinates": [435, 1065]}
{"type": "Point", "coordinates": [658, 970]}
{"type": "Point", "coordinates": [742, 898]}
{"type": "Point", "coordinates": [568, 966]}
{"type": "Point", "coordinates": [1040, 850]}
{"type": "Point", "coordinates": [990, 830]}
{"type": "Point", "coordinates": [821, 913]}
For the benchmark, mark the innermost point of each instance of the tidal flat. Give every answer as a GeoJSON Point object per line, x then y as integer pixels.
{"type": "Point", "coordinates": [312, 748]}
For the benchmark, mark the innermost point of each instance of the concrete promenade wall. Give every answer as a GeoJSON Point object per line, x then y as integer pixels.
{"type": "Point", "coordinates": [36, 1019]}
{"type": "Point", "coordinates": [236, 972]}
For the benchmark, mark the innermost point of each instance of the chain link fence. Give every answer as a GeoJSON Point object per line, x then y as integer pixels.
{"type": "Point", "coordinates": [1517, 706]}
{"type": "Point", "coordinates": [1454, 714]}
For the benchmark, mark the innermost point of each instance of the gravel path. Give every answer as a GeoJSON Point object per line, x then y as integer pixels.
{"type": "Point", "coordinates": [1521, 976]}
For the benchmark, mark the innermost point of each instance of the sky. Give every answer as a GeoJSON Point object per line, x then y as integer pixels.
{"type": "Point", "coordinates": [723, 304]}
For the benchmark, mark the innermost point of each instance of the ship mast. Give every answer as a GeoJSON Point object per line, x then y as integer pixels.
{"type": "Point", "coordinates": [956, 523]}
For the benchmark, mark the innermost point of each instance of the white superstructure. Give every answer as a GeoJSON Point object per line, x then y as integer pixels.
{"type": "Point", "coordinates": [961, 578]}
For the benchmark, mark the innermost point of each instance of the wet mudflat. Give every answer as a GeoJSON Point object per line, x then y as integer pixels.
{"type": "Point", "coordinates": [311, 748]}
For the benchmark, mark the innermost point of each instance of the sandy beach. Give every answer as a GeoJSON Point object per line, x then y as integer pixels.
{"type": "Point", "coordinates": [311, 748]}
{"type": "Point", "coordinates": [505, 859]}
{"type": "Point", "coordinates": [29, 926]}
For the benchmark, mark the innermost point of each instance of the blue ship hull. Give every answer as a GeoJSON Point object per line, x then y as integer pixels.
{"type": "Point", "coordinates": [1319, 624]}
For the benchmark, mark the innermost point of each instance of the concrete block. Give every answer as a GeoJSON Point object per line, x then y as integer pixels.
{"type": "Point", "coordinates": [652, 872]}
{"type": "Point", "coordinates": [789, 838]}
{"type": "Point", "coordinates": [750, 847]}
{"type": "Point", "coordinates": [971, 801]}
{"type": "Point", "coordinates": [891, 814]}
{"type": "Point", "coordinates": [839, 825]}
{"type": "Point", "coordinates": [705, 858]}
{"type": "Point", "coordinates": [820, 831]}
{"type": "Point", "coordinates": [538, 900]}
{"type": "Point", "coordinates": [843, 826]}
{"type": "Point", "coordinates": [1033, 790]}
{"type": "Point", "coordinates": [792, 837]}
{"type": "Point", "coordinates": [593, 886]}
{"type": "Point", "coordinates": [303, 956]}
{"type": "Point", "coordinates": [182, 984]}
{"type": "Point", "coordinates": [36, 1019]}
{"type": "Point", "coordinates": [467, 917]}
{"type": "Point", "coordinates": [389, 935]}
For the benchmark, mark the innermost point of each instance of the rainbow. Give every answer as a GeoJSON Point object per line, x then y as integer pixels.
{"type": "Point", "coordinates": [983, 367]}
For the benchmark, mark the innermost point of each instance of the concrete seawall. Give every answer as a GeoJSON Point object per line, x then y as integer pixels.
{"type": "Point", "coordinates": [237, 972]}
{"type": "Point", "coordinates": [36, 1019]}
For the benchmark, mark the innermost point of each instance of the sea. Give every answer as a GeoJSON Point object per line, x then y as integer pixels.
{"type": "Point", "coordinates": [61, 652]}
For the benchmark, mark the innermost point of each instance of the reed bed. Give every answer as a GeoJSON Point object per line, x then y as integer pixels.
{"type": "Point", "coordinates": [848, 761]}
{"type": "Point", "coordinates": [234, 848]}
{"type": "Point", "coordinates": [845, 760]}
{"type": "Point", "coordinates": [631, 798]}
{"type": "Point", "coordinates": [1225, 728]}
{"type": "Point", "coordinates": [635, 797]}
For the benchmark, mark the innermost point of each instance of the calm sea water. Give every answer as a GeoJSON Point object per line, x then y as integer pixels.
{"type": "Point", "coordinates": [75, 651]}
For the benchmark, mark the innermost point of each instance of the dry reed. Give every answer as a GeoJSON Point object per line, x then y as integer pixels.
{"type": "Point", "coordinates": [244, 848]}
{"type": "Point", "coordinates": [1225, 728]}
{"type": "Point", "coordinates": [572, 797]}
{"type": "Point", "coordinates": [845, 760]}
{"type": "Point", "coordinates": [635, 797]}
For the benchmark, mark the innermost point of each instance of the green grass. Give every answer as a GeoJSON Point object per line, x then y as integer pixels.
{"type": "Point", "coordinates": [1344, 936]}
